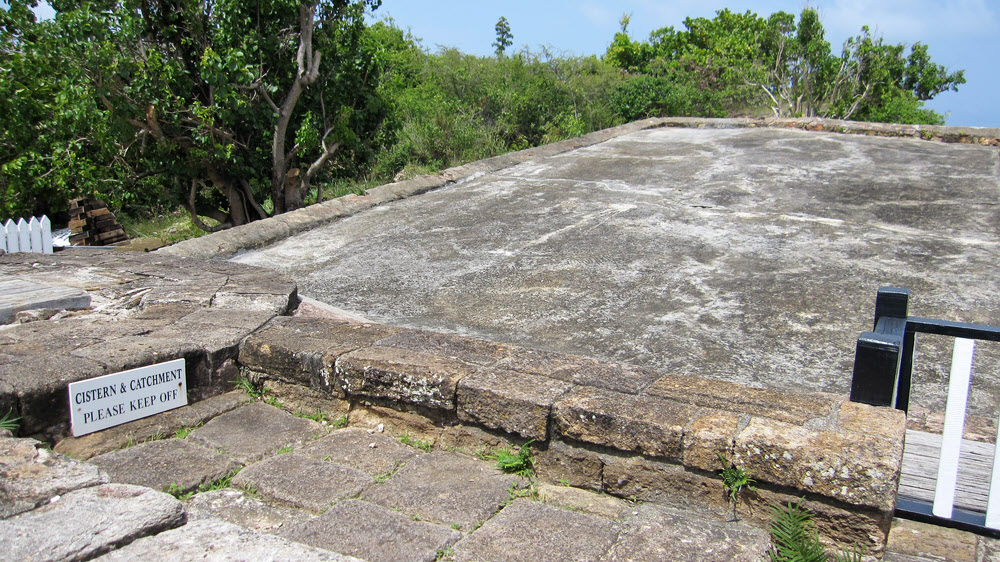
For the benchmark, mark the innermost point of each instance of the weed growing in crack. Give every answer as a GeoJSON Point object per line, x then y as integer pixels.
{"type": "Point", "coordinates": [218, 484]}
{"type": "Point", "coordinates": [252, 389]}
{"type": "Point", "coordinates": [9, 423]}
{"type": "Point", "coordinates": [186, 430]}
{"type": "Point", "coordinates": [519, 463]}
{"type": "Point", "coordinates": [339, 422]}
{"type": "Point", "coordinates": [406, 439]}
{"type": "Point", "coordinates": [283, 450]}
{"type": "Point", "coordinates": [734, 481]}
{"type": "Point", "coordinates": [383, 476]}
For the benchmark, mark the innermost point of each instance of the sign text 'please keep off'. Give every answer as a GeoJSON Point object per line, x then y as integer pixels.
{"type": "Point", "coordinates": [111, 400]}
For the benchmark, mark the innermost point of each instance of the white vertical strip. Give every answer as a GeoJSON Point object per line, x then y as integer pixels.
{"type": "Point", "coordinates": [954, 424]}
{"type": "Point", "coordinates": [12, 238]}
{"type": "Point", "coordinates": [35, 235]}
{"type": "Point", "coordinates": [46, 225]}
{"type": "Point", "coordinates": [23, 235]}
{"type": "Point", "coordinates": [3, 237]}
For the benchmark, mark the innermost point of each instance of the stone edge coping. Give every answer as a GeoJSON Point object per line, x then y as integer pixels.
{"type": "Point", "coordinates": [261, 233]}
{"type": "Point", "coordinates": [814, 444]}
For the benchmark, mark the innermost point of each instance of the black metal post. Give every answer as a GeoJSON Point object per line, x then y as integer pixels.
{"type": "Point", "coordinates": [879, 356]}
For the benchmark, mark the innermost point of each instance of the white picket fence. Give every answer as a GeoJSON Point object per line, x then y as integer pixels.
{"type": "Point", "coordinates": [34, 235]}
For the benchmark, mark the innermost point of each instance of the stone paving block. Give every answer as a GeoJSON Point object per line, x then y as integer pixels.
{"type": "Point", "coordinates": [623, 421]}
{"type": "Point", "coordinates": [571, 465]}
{"type": "Point", "coordinates": [236, 507]}
{"type": "Point", "coordinates": [887, 423]}
{"type": "Point", "coordinates": [303, 350]}
{"type": "Point", "coordinates": [483, 353]}
{"type": "Point", "coordinates": [660, 533]}
{"type": "Point", "coordinates": [584, 501]}
{"type": "Point", "coordinates": [583, 371]}
{"type": "Point", "coordinates": [85, 523]}
{"type": "Point", "coordinates": [249, 433]}
{"type": "Point", "coordinates": [31, 474]}
{"type": "Point", "coordinates": [307, 400]}
{"type": "Point", "coordinates": [402, 375]}
{"type": "Point", "coordinates": [930, 542]}
{"type": "Point", "coordinates": [446, 488]}
{"type": "Point", "coordinates": [160, 464]}
{"type": "Point", "coordinates": [303, 482]}
{"type": "Point", "coordinates": [854, 468]}
{"type": "Point", "coordinates": [723, 395]}
{"type": "Point", "coordinates": [213, 539]}
{"type": "Point", "coordinates": [373, 453]}
{"type": "Point", "coordinates": [707, 437]}
{"type": "Point", "coordinates": [374, 533]}
{"type": "Point", "coordinates": [530, 531]}
{"type": "Point", "coordinates": [511, 401]}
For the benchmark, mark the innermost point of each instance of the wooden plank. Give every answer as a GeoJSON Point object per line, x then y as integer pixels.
{"type": "Point", "coordinates": [920, 462]}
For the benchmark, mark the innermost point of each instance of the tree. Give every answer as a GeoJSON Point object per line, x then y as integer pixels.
{"type": "Point", "coordinates": [504, 36]}
{"type": "Point", "coordinates": [226, 107]}
{"type": "Point", "coordinates": [747, 61]}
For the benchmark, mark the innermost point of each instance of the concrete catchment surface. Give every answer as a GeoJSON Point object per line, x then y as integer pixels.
{"type": "Point", "coordinates": [746, 254]}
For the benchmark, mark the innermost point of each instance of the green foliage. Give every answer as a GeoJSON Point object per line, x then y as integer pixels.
{"type": "Point", "coordinates": [734, 479]}
{"type": "Point", "coordinates": [183, 432]}
{"type": "Point", "coordinates": [745, 62]}
{"type": "Point", "coordinates": [251, 388]}
{"type": "Point", "coordinates": [218, 484]}
{"type": "Point", "coordinates": [409, 441]}
{"type": "Point", "coordinates": [519, 462]}
{"type": "Point", "coordinates": [794, 537]}
{"type": "Point", "coordinates": [9, 423]}
{"type": "Point", "coordinates": [339, 422]}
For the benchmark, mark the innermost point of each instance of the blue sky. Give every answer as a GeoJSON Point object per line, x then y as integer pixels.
{"type": "Point", "coordinates": [960, 34]}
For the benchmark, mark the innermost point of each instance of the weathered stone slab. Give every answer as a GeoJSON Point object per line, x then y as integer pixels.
{"type": "Point", "coordinates": [17, 295]}
{"type": "Point", "coordinates": [572, 466]}
{"type": "Point", "coordinates": [161, 425]}
{"type": "Point", "coordinates": [162, 464]}
{"type": "Point", "coordinates": [402, 375]}
{"type": "Point", "coordinates": [374, 533]}
{"type": "Point", "coordinates": [886, 423]}
{"type": "Point", "coordinates": [446, 488]}
{"type": "Point", "coordinates": [584, 501]}
{"type": "Point", "coordinates": [853, 468]}
{"type": "Point", "coordinates": [303, 482]}
{"type": "Point", "coordinates": [31, 475]}
{"type": "Point", "coordinates": [470, 350]}
{"type": "Point", "coordinates": [39, 379]}
{"type": "Point", "coordinates": [375, 454]}
{"type": "Point", "coordinates": [923, 541]}
{"type": "Point", "coordinates": [716, 394]}
{"type": "Point", "coordinates": [707, 437]}
{"type": "Point", "coordinates": [627, 422]}
{"type": "Point", "coordinates": [85, 523]}
{"type": "Point", "coordinates": [528, 531]}
{"type": "Point", "coordinates": [581, 370]}
{"type": "Point", "coordinates": [213, 539]}
{"type": "Point", "coordinates": [236, 507]}
{"type": "Point", "coordinates": [307, 400]}
{"type": "Point", "coordinates": [511, 401]}
{"type": "Point", "coordinates": [303, 350]}
{"type": "Point", "coordinates": [249, 433]}
{"type": "Point", "coordinates": [659, 533]}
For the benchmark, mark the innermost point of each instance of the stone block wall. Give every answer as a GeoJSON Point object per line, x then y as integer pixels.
{"type": "Point", "coordinates": [614, 428]}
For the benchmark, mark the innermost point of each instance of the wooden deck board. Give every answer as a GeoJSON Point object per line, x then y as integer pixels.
{"type": "Point", "coordinates": [920, 464]}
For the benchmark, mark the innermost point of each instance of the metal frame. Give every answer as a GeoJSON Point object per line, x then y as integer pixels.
{"type": "Point", "coordinates": [883, 367]}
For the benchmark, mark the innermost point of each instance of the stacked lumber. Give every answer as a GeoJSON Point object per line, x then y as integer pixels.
{"type": "Point", "coordinates": [91, 223]}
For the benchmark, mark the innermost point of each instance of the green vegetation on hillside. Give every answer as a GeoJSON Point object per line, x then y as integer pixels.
{"type": "Point", "coordinates": [235, 111]}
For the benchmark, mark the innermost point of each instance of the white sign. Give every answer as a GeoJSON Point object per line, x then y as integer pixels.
{"type": "Point", "coordinates": [103, 402]}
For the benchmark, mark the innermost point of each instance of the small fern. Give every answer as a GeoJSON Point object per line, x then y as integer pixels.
{"type": "Point", "coordinates": [794, 537]}
{"type": "Point", "coordinates": [9, 423]}
{"type": "Point", "coordinates": [519, 463]}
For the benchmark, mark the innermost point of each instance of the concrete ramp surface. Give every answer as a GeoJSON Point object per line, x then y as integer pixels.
{"type": "Point", "coordinates": [751, 255]}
